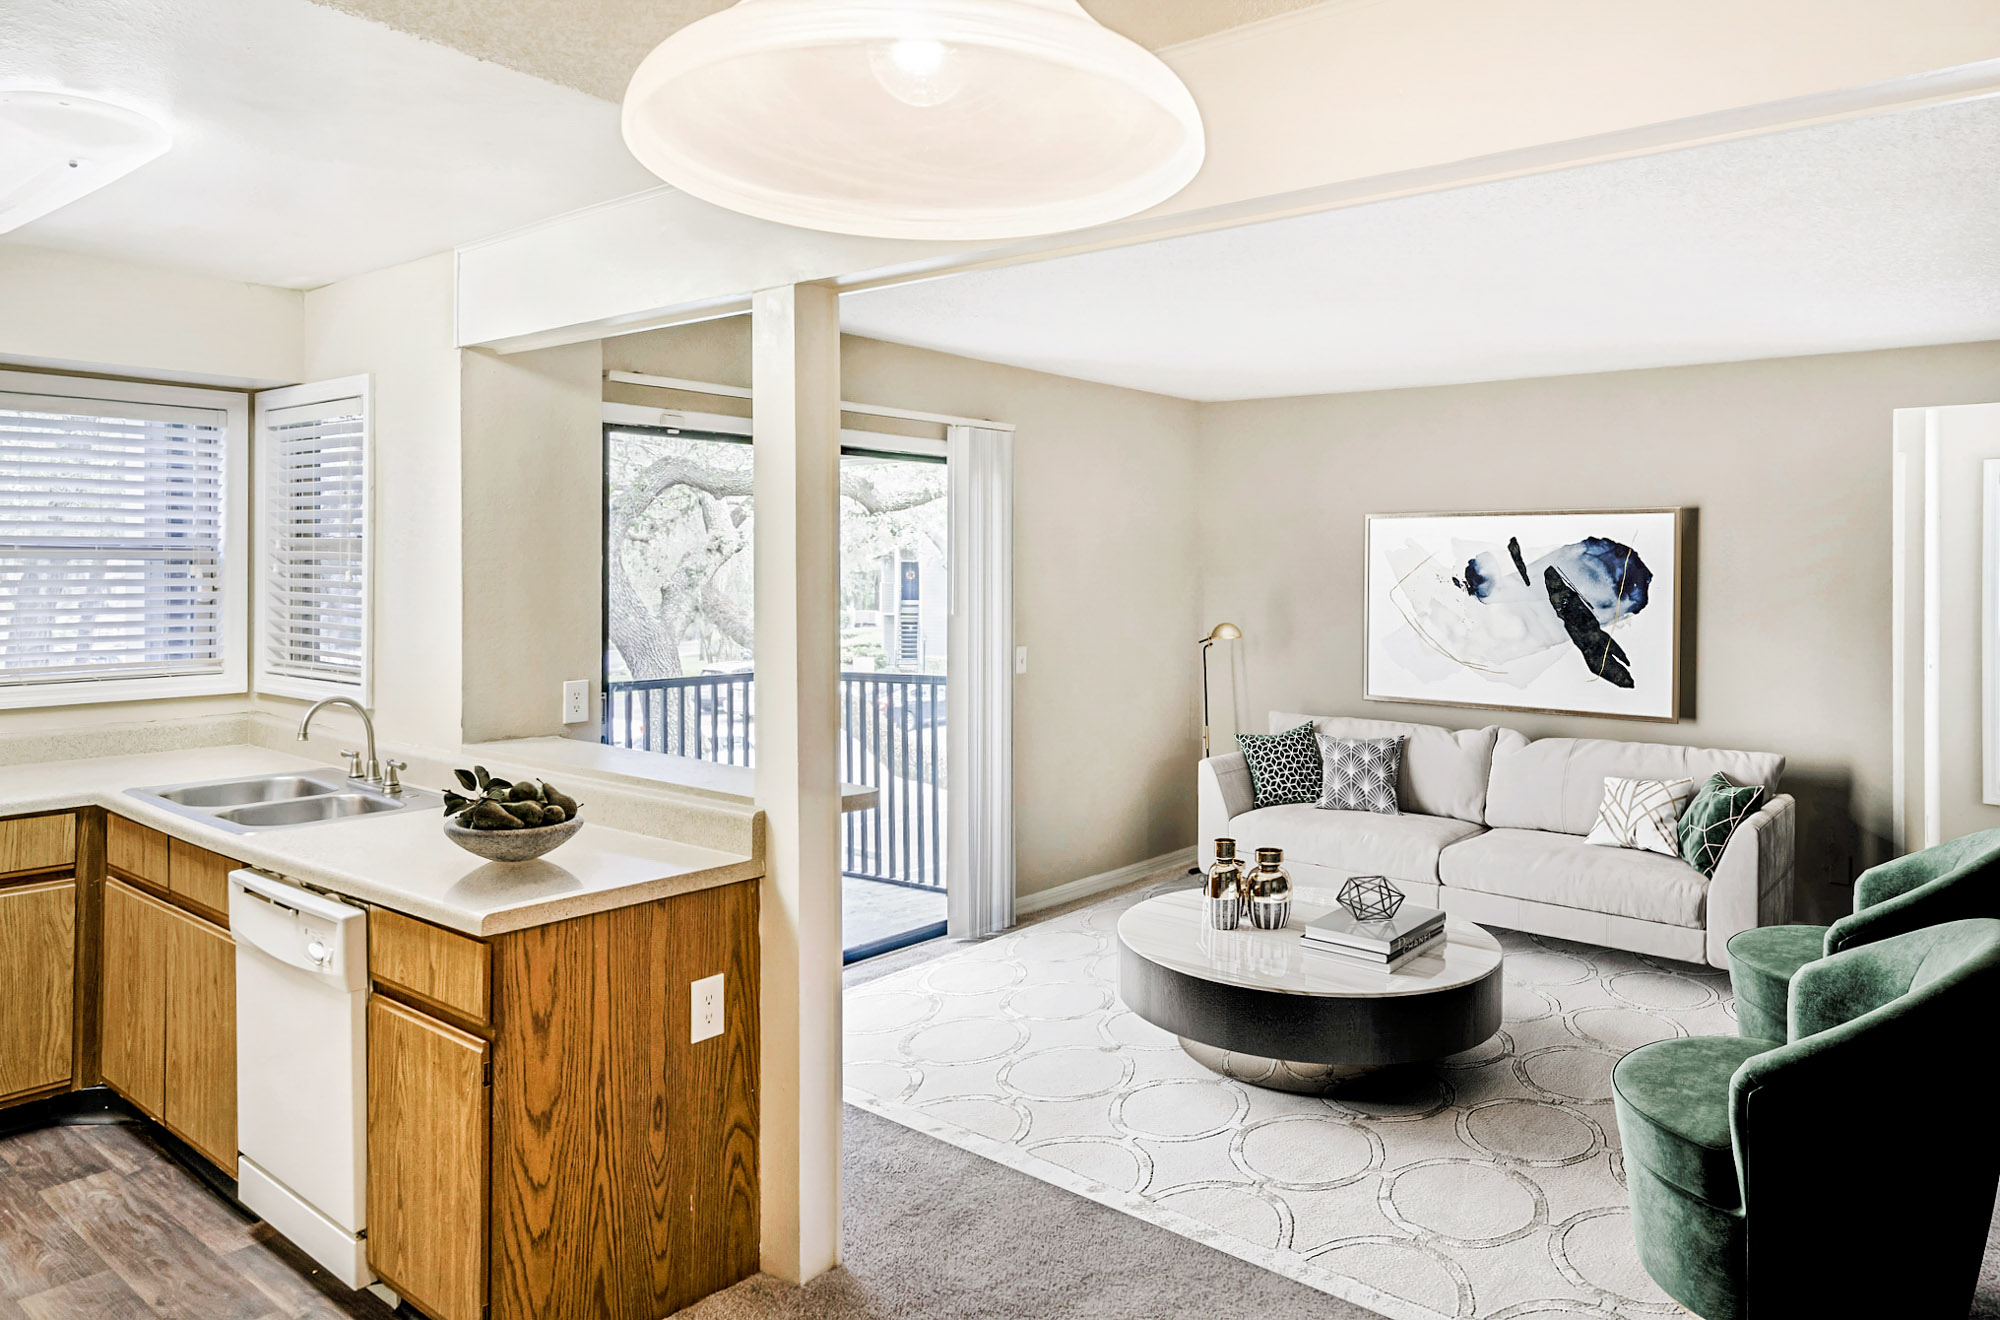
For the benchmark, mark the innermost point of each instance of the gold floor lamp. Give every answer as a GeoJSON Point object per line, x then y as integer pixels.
{"type": "Point", "coordinates": [1222, 632]}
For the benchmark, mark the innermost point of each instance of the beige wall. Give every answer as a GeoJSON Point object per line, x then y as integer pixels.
{"type": "Point", "coordinates": [1105, 719]}
{"type": "Point", "coordinates": [81, 313]}
{"type": "Point", "coordinates": [396, 325]}
{"type": "Point", "coordinates": [532, 542]}
{"type": "Point", "coordinates": [1787, 462]}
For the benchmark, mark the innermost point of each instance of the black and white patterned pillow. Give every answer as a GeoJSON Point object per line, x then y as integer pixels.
{"type": "Point", "coordinates": [1284, 767]}
{"type": "Point", "coordinates": [1360, 774]}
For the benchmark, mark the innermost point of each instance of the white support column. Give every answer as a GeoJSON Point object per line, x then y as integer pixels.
{"type": "Point", "coordinates": [795, 422]}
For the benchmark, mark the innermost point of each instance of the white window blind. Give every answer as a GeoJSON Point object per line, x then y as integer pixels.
{"type": "Point", "coordinates": [120, 525]}
{"type": "Point", "coordinates": [313, 590]}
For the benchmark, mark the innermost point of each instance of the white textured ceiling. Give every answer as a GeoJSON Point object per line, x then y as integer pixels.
{"type": "Point", "coordinates": [594, 45]}
{"type": "Point", "coordinates": [308, 144]}
{"type": "Point", "coordinates": [1871, 233]}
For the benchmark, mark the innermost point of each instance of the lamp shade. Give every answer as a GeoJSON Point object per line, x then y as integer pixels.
{"type": "Point", "coordinates": [1224, 632]}
{"type": "Point", "coordinates": [941, 119]}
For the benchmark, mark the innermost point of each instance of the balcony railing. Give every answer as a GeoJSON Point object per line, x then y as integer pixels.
{"type": "Point", "coordinates": [892, 739]}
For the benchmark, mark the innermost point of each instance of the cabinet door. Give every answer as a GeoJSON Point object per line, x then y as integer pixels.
{"type": "Point", "coordinates": [428, 1107]}
{"type": "Point", "coordinates": [132, 1002]}
{"type": "Point", "coordinates": [200, 1082]}
{"type": "Point", "coordinates": [37, 985]}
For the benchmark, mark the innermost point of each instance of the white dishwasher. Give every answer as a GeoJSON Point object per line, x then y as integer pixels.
{"type": "Point", "coordinates": [302, 1067]}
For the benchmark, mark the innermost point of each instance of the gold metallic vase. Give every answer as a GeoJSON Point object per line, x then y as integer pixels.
{"type": "Point", "coordinates": [1222, 895]}
{"type": "Point", "coordinates": [1270, 891]}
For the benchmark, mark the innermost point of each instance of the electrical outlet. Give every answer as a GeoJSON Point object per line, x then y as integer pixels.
{"type": "Point", "coordinates": [706, 1008]}
{"type": "Point", "coordinates": [576, 701]}
{"type": "Point", "coordinates": [1020, 659]}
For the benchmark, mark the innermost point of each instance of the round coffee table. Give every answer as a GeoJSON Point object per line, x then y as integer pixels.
{"type": "Point", "coordinates": [1264, 1007]}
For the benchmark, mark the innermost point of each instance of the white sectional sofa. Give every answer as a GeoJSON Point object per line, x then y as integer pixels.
{"type": "Point", "coordinates": [1492, 830]}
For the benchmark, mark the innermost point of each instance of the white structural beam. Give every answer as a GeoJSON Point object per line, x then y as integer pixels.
{"type": "Point", "coordinates": [1334, 105]}
{"type": "Point", "coordinates": [795, 427]}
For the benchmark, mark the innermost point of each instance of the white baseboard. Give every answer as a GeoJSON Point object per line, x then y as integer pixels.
{"type": "Point", "coordinates": [1042, 900]}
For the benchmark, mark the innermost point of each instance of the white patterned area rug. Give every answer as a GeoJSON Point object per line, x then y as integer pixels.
{"type": "Point", "coordinates": [1488, 1185]}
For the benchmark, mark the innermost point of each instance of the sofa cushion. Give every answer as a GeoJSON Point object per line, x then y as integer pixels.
{"type": "Point", "coordinates": [1545, 867]}
{"type": "Point", "coordinates": [1672, 1100]}
{"type": "Point", "coordinates": [1557, 783]}
{"type": "Point", "coordinates": [1404, 847]}
{"type": "Point", "coordinates": [1444, 771]}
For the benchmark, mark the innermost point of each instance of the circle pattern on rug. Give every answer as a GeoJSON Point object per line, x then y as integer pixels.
{"type": "Point", "coordinates": [1568, 1072]}
{"type": "Point", "coordinates": [1469, 1204]}
{"type": "Point", "coordinates": [1302, 1152]}
{"type": "Point", "coordinates": [1530, 1131]}
{"type": "Point", "coordinates": [971, 978]}
{"type": "Point", "coordinates": [1177, 1111]}
{"type": "Point", "coordinates": [1069, 1073]}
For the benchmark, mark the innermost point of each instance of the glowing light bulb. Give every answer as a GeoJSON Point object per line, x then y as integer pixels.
{"type": "Point", "coordinates": [917, 71]}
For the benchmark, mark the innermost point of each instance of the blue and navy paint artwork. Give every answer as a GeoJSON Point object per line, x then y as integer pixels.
{"type": "Point", "coordinates": [1587, 585]}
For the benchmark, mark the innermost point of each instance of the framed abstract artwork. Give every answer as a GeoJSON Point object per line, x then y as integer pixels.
{"type": "Point", "coordinates": [1575, 613]}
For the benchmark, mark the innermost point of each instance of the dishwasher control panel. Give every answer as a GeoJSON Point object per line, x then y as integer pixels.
{"type": "Point", "coordinates": [300, 928]}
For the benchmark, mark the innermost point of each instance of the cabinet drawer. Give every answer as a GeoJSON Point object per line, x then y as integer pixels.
{"type": "Point", "coordinates": [200, 877]}
{"type": "Point", "coordinates": [433, 963]}
{"type": "Point", "coordinates": [37, 985]}
{"type": "Point", "coordinates": [38, 843]}
{"type": "Point", "coordinates": [134, 851]}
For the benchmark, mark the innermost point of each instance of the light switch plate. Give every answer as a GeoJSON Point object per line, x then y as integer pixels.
{"type": "Point", "coordinates": [706, 1009]}
{"type": "Point", "coordinates": [576, 701]}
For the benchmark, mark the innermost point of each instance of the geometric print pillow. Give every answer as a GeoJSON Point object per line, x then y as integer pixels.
{"type": "Point", "coordinates": [1284, 767]}
{"type": "Point", "coordinates": [1642, 813]}
{"type": "Point", "coordinates": [1712, 817]}
{"type": "Point", "coordinates": [1360, 774]}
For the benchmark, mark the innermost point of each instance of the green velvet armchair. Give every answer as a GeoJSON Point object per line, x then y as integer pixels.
{"type": "Point", "coordinates": [1848, 1170]}
{"type": "Point", "coordinates": [1950, 882]}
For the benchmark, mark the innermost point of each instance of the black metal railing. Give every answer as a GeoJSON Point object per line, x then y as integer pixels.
{"type": "Point", "coordinates": [892, 739]}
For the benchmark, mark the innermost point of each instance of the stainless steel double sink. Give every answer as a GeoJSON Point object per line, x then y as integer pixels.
{"type": "Point", "coordinates": [248, 804]}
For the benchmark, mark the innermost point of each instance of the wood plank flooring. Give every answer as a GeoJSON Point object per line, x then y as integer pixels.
{"type": "Point", "coordinates": [98, 1223]}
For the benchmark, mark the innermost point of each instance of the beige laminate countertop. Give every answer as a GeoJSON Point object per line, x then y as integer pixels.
{"type": "Point", "coordinates": [399, 860]}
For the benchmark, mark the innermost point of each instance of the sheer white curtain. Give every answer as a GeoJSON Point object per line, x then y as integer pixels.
{"type": "Point", "coordinates": [980, 759]}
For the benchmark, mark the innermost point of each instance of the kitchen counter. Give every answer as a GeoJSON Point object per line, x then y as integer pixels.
{"type": "Point", "coordinates": [399, 860]}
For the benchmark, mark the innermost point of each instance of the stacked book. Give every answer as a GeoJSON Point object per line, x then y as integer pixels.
{"type": "Point", "coordinates": [1383, 945]}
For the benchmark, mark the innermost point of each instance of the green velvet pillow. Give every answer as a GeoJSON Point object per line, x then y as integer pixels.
{"type": "Point", "coordinates": [1712, 817]}
{"type": "Point", "coordinates": [1284, 767]}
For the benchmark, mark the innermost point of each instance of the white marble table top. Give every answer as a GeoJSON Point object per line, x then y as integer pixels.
{"type": "Point", "coordinates": [1171, 930]}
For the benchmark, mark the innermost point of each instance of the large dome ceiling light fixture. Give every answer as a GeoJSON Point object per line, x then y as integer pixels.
{"type": "Point", "coordinates": [941, 119]}
{"type": "Point", "coordinates": [56, 147]}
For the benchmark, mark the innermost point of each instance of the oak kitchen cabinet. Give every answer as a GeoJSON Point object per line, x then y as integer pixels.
{"type": "Point", "coordinates": [38, 914]}
{"type": "Point", "coordinates": [544, 1139]}
{"type": "Point", "coordinates": [167, 991]}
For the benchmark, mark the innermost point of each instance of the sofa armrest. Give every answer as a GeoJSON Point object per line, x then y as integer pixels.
{"type": "Point", "coordinates": [1222, 793]}
{"type": "Point", "coordinates": [1752, 884]}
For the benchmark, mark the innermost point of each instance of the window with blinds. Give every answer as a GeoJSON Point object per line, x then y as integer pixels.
{"type": "Point", "coordinates": [313, 525]}
{"type": "Point", "coordinates": [121, 535]}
